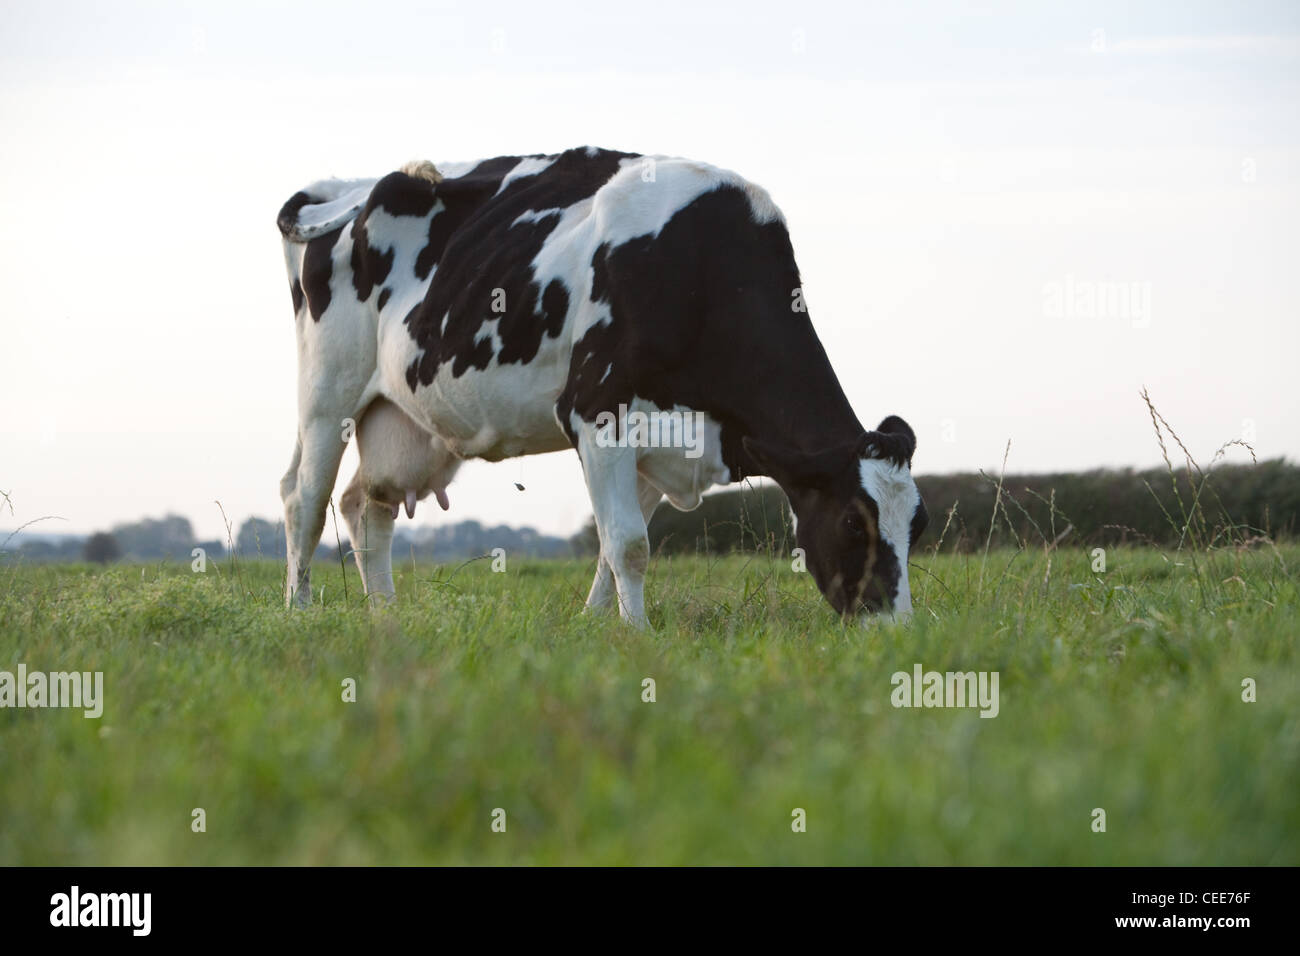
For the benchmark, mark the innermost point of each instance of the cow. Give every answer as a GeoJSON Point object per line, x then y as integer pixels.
{"type": "Point", "coordinates": [527, 304]}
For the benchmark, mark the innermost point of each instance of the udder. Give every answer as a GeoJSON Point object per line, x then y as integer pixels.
{"type": "Point", "coordinates": [689, 466]}
{"type": "Point", "coordinates": [401, 463]}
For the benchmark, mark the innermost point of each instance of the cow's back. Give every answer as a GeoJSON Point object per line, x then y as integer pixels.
{"type": "Point", "coordinates": [520, 287]}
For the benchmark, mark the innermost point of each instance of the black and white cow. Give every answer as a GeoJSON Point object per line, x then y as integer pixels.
{"type": "Point", "coordinates": [526, 304]}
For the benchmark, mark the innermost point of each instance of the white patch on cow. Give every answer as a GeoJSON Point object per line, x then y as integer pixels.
{"type": "Point", "coordinates": [457, 168]}
{"type": "Point", "coordinates": [530, 166]}
{"type": "Point", "coordinates": [533, 215]}
{"type": "Point", "coordinates": [761, 203]}
{"type": "Point", "coordinates": [896, 497]}
{"type": "Point", "coordinates": [406, 237]}
{"type": "Point", "coordinates": [492, 413]}
{"type": "Point", "coordinates": [293, 260]}
{"type": "Point", "coordinates": [566, 254]}
{"type": "Point", "coordinates": [628, 207]}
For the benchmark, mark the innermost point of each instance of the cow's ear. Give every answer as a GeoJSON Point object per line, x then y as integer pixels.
{"type": "Point", "coordinates": [893, 440]}
{"type": "Point", "coordinates": [790, 467]}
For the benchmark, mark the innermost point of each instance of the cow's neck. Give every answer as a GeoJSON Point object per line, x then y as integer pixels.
{"type": "Point", "coordinates": [792, 399]}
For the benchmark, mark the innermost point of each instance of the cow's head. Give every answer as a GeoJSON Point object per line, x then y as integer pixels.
{"type": "Point", "coordinates": [857, 514]}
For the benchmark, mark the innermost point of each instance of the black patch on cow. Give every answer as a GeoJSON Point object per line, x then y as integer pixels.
{"type": "Point", "coordinates": [873, 586]}
{"type": "Point", "coordinates": [384, 295]}
{"type": "Point", "coordinates": [555, 307]}
{"type": "Point", "coordinates": [600, 274]}
{"type": "Point", "coordinates": [476, 356]}
{"type": "Point", "coordinates": [370, 267]}
{"type": "Point", "coordinates": [702, 317]}
{"type": "Point", "coordinates": [295, 290]}
{"type": "Point", "coordinates": [885, 575]}
{"type": "Point", "coordinates": [461, 196]}
{"type": "Point", "coordinates": [411, 370]}
{"type": "Point", "coordinates": [287, 219]}
{"type": "Point", "coordinates": [317, 267]}
{"type": "Point", "coordinates": [920, 519]}
{"type": "Point", "coordinates": [484, 254]}
{"type": "Point", "coordinates": [401, 195]}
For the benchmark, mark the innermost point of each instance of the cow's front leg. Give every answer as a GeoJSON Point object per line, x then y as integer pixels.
{"type": "Point", "coordinates": [612, 483]}
{"type": "Point", "coordinates": [306, 496]}
{"type": "Point", "coordinates": [602, 588]}
{"type": "Point", "coordinates": [370, 529]}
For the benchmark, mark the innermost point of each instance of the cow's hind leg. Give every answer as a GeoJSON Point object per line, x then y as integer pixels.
{"type": "Point", "coordinates": [370, 529]}
{"type": "Point", "coordinates": [305, 492]}
{"type": "Point", "coordinates": [602, 588]}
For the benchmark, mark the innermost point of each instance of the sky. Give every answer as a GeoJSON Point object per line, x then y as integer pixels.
{"type": "Point", "coordinates": [1009, 217]}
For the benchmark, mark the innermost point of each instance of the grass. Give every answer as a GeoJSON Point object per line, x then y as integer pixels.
{"type": "Point", "coordinates": [1119, 690]}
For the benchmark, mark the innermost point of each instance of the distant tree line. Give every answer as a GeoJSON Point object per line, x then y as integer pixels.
{"type": "Point", "coordinates": [1100, 507]}
{"type": "Point", "coordinates": [172, 538]}
{"type": "Point", "coordinates": [465, 539]}
{"type": "Point", "coordinates": [1116, 506]}
{"type": "Point", "coordinates": [150, 539]}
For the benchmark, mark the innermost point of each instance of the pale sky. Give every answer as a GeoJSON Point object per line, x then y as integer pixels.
{"type": "Point", "coordinates": [960, 182]}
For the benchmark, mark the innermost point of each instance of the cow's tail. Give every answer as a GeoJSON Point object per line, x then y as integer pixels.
{"type": "Point", "coordinates": [322, 207]}
{"type": "Point", "coordinates": [331, 203]}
